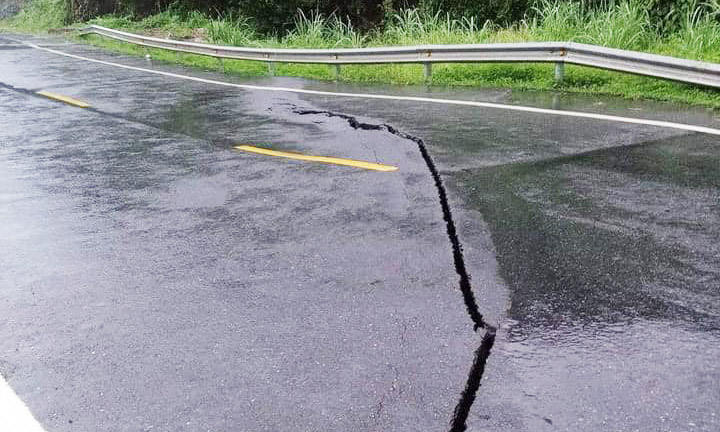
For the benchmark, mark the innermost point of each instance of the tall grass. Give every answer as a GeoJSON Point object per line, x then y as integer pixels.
{"type": "Point", "coordinates": [318, 31]}
{"type": "Point", "coordinates": [413, 26]}
{"type": "Point", "coordinates": [699, 34]}
{"type": "Point", "coordinates": [558, 20]}
{"type": "Point", "coordinates": [623, 25]}
{"type": "Point", "coordinates": [232, 29]}
{"type": "Point", "coordinates": [626, 24]}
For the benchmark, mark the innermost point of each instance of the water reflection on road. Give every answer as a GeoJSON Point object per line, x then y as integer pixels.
{"type": "Point", "coordinates": [613, 264]}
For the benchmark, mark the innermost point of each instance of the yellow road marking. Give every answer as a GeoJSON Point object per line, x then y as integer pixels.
{"type": "Point", "coordinates": [322, 159]}
{"type": "Point", "coordinates": [66, 99]}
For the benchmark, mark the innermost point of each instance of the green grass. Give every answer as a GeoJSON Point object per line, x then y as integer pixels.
{"type": "Point", "coordinates": [622, 24]}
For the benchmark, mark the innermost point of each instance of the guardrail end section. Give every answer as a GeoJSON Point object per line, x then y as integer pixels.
{"type": "Point", "coordinates": [85, 31]}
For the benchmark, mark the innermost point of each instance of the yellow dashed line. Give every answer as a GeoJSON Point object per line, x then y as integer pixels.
{"type": "Point", "coordinates": [66, 99]}
{"type": "Point", "coordinates": [322, 159]}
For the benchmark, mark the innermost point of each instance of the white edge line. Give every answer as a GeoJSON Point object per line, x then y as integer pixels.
{"type": "Point", "coordinates": [15, 416]}
{"type": "Point", "coordinates": [579, 114]}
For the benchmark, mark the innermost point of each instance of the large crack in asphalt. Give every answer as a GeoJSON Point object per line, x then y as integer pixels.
{"type": "Point", "coordinates": [467, 398]}
{"type": "Point", "coordinates": [472, 385]}
{"type": "Point", "coordinates": [459, 260]}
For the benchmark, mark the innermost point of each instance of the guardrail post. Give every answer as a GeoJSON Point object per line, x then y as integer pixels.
{"type": "Point", "coordinates": [559, 72]}
{"type": "Point", "coordinates": [427, 72]}
{"type": "Point", "coordinates": [221, 64]}
{"type": "Point", "coordinates": [337, 72]}
{"type": "Point", "coordinates": [271, 68]}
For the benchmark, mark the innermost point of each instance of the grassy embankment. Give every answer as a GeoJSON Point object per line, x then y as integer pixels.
{"type": "Point", "coordinates": [625, 25]}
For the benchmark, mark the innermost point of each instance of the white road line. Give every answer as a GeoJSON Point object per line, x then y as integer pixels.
{"type": "Point", "coordinates": [578, 114]}
{"type": "Point", "coordinates": [14, 414]}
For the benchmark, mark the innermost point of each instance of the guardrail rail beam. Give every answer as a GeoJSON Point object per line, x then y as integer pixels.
{"type": "Point", "coordinates": [559, 53]}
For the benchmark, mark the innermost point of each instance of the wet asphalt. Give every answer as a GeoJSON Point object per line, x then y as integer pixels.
{"type": "Point", "coordinates": [156, 279]}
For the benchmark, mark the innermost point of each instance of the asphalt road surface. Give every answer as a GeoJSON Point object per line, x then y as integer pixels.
{"type": "Point", "coordinates": [518, 272]}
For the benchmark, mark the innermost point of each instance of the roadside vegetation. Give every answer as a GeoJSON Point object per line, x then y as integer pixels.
{"type": "Point", "coordinates": [38, 16]}
{"type": "Point", "coordinates": [689, 30]}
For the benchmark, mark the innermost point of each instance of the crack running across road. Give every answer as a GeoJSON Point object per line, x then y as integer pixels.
{"type": "Point", "coordinates": [462, 410]}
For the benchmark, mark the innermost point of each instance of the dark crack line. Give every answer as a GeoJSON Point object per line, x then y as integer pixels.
{"type": "Point", "coordinates": [472, 385]}
{"type": "Point", "coordinates": [467, 398]}
{"type": "Point", "coordinates": [458, 258]}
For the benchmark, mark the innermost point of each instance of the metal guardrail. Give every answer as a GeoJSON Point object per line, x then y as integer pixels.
{"type": "Point", "coordinates": [560, 53]}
